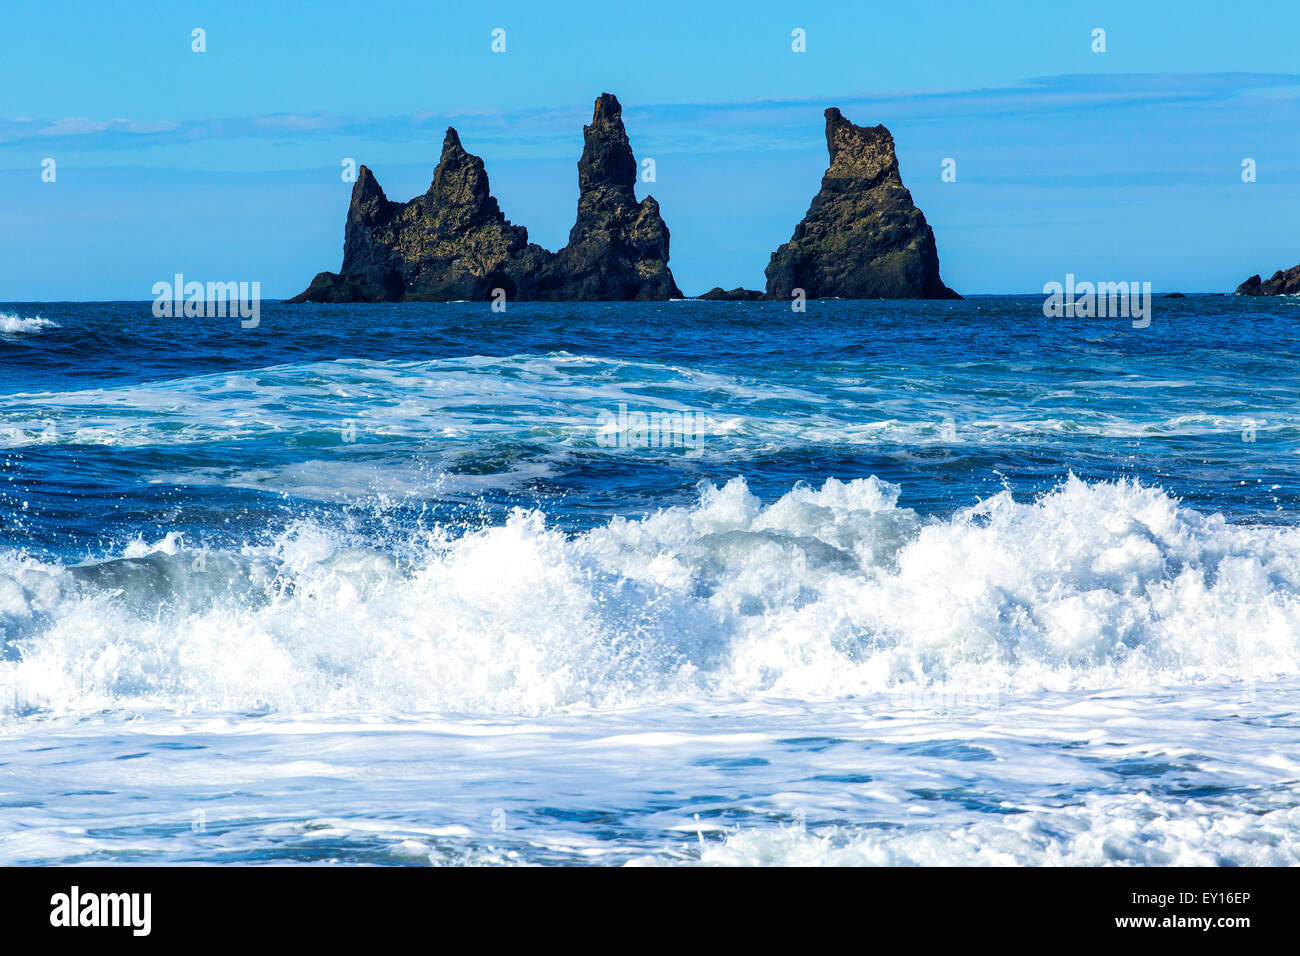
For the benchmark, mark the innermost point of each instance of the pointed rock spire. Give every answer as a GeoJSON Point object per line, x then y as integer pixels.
{"type": "Point", "coordinates": [607, 161]}
{"type": "Point", "coordinates": [863, 237]}
{"type": "Point", "coordinates": [454, 242]}
{"type": "Point", "coordinates": [618, 248]}
{"type": "Point", "coordinates": [369, 205]}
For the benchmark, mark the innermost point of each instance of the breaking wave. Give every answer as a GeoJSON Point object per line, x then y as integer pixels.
{"type": "Point", "coordinates": [11, 324]}
{"type": "Point", "coordinates": [821, 594]}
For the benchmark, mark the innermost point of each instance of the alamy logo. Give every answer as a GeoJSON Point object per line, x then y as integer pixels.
{"type": "Point", "coordinates": [1100, 300]}
{"type": "Point", "coordinates": [194, 300]}
{"type": "Point", "coordinates": [948, 699]}
{"type": "Point", "coordinates": [74, 909]}
{"type": "Point", "coordinates": [650, 430]}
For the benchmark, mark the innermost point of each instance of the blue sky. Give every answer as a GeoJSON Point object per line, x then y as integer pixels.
{"type": "Point", "coordinates": [225, 164]}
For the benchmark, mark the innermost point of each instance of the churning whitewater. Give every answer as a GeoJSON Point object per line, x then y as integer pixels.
{"type": "Point", "coordinates": [824, 593]}
{"type": "Point", "coordinates": [933, 582]}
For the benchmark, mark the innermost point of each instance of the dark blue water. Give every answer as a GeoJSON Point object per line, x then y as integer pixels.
{"type": "Point", "coordinates": [117, 423]}
{"type": "Point", "coordinates": [275, 577]}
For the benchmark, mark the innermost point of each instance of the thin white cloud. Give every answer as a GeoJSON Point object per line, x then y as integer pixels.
{"type": "Point", "coordinates": [73, 126]}
{"type": "Point", "coordinates": [295, 121]}
{"type": "Point", "coordinates": [692, 127]}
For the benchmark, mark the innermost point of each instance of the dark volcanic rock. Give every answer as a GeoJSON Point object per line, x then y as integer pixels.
{"type": "Point", "coordinates": [451, 243]}
{"type": "Point", "coordinates": [1282, 283]}
{"type": "Point", "coordinates": [737, 294]}
{"type": "Point", "coordinates": [455, 243]}
{"type": "Point", "coordinates": [862, 238]}
{"type": "Point", "coordinates": [618, 248]}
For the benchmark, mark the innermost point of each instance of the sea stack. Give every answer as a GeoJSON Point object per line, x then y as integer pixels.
{"type": "Point", "coordinates": [451, 243]}
{"type": "Point", "coordinates": [454, 242]}
{"type": "Point", "coordinates": [863, 237]}
{"type": "Point", "coordinates": [618, 248]}
{"type": "Point", "coordinates": [1282, 283]}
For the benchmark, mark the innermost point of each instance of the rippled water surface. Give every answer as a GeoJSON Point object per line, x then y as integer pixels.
{"type": "Point", "coordinates": [932, 582]}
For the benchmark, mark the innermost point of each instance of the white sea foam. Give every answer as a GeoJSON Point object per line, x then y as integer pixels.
{"type": "Point", "coordinates": [1198, 775]}
{"type": "Point", "coordinates": [821, 594]}
{"type": "Point", "coordinates": [557, 400]}
{"type": "Point", "coordinates": [11, 324]}
{"type": "Point", "coordinates": [1135, 829]}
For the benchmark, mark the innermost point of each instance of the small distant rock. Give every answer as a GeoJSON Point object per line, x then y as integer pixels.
{"type": "Point", "coordinates": [1173, 295]}
{"type": "Point", "coordinates": [738, 294]}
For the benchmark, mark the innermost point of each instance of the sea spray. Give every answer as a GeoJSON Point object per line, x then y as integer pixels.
{"type": "Point", "coordinates": [824, 592]}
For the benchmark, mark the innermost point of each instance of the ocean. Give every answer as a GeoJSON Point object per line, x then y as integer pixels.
{"type": "Point", "coordinates": [651, 583]}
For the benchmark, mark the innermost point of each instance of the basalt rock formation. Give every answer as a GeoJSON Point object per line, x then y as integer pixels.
{"type": "Point", "coordinates": [738, 294]}
{"type": "Point", "coordinates": [618, 248]}
{"type": "Point", "coordinates": [862, 238]}
{"type": "Point", "coordinates": [1282, 283]}
{"type": "Point", "coordinates": [454, 242]}
{"type": "Point", "coordinates": [451, 243]}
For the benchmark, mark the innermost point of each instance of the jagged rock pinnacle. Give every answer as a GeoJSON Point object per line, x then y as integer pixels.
{"type": "Point", "coordinates": [454, 242]}
{"type": "Point", "coordinates": [1281, 283]}
{"type": "Point", "coordinates": [863, 237]}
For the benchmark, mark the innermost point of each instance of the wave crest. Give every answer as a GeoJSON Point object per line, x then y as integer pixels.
{"type": "Point", "coordinates": [825, 592]}
{"type": "Point", "coordinates": [11, 324]}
